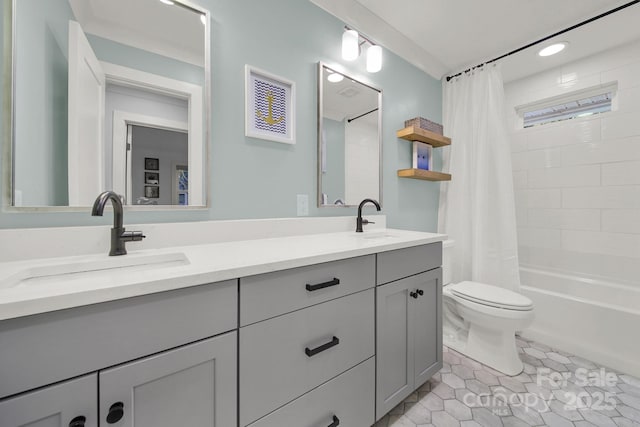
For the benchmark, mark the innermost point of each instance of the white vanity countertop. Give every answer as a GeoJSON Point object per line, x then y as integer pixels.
{"type": "Point", "coordinates": [185, 266]}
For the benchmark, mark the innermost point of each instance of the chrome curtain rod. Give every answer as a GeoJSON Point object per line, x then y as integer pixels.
{"type": "Point", "coordinates": [573, 27]}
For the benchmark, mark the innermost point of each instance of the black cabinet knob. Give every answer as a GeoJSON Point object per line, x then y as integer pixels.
{"type": "Point", "coordinates": [116, 412]}
{"type": "Point", "coordinates": [78, 422]}
{"type": "Point", "coordinates": [413, 295]}
{"type": "Point", "coordinates": [420, 292]}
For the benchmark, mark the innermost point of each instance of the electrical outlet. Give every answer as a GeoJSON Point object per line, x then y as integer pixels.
{"type": "Point", "coordinates": [303, 204]}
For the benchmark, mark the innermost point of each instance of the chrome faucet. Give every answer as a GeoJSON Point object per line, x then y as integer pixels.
{"type": "Point", "coordinates": [118, 235]}
{"type": "Point", "coordinates": [359, 221]}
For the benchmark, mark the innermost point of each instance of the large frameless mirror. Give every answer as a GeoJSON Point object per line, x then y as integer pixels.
{"type": "Point", "coordinates": [109, 95]}
{"type": "Point", "coordinates": [349, 139]}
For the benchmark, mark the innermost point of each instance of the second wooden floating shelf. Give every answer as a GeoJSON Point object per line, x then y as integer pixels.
{"type": "Point", "coordinates": [424, 175]}
{"type": "Point", "coordinates": [413, 133]}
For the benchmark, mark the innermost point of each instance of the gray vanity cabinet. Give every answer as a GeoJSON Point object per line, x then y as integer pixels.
{"type": "Point", "coordinates": [194, 385]}
{"type": "Point", "coordinates": [409, 336]}
{"type": "Point", "coordinates": [160, 360]}
{"type": "Point", "coordinates": [55, 406]}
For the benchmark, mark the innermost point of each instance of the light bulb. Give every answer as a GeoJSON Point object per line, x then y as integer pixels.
{"type": "Point", "coordinates": [350, 45]}
{"type": "Point", "coordinates": [374, 59]}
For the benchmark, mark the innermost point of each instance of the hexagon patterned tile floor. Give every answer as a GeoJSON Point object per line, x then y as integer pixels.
{"type": "Point", "coordinates": [555, 389]}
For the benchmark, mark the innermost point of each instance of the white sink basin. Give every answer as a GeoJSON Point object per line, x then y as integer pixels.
{"type": "Point", "coordinates": [111, 268]}
{"type": "Point", "coordinates": [378, 235]}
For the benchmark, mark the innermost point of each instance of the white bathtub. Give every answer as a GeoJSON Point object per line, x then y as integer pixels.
{"type": "Point", "coordinates": [593, 319]}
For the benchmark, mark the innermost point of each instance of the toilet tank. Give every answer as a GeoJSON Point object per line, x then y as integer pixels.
{"type": "Point", "coordinates": [447, 253]}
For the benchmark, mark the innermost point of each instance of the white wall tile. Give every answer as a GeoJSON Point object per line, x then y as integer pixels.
{"type": "Point", "coordinates": [573, 176]}
{"type": "Point", "coordinates": [616, 244]}
{"type": "Point", "coordinates": [540, 238]}
{"type": "Point", "coordinates": [623, 173]}
{"type": "Point", "coordinates": [613, 197]}
{"type": "Point", "coordinates": [621, 221]}
{"type": "Point", "coordinates": [628, 100]}
{"type": "Point", "coordinates": [627, 76]}
{"type": "Point", "coordinates": [608, 267]}
{"type": "Point", "coordinates": [567, 219]}
{"type": "Point", "coordinates": [615, 150]}
{"type": "Point", "coordinates": [620, 125]}
{"type": "Point", "coordinates": [543, 198]}
{"type": "Point", "coordinates": [581, 213]}
{"type": "Point", "coordinates": [569, 132]}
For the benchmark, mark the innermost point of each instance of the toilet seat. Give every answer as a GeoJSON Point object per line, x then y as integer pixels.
{"type": "Point", "coordinates": [491, 296]}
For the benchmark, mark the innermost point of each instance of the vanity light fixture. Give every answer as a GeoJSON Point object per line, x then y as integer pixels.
{"type": "Point", "coordinates": [553, 49]}
{"type": "Point", "coordinates": [374, 59]}
{"type": "Point", "coordinates": [351, 43]}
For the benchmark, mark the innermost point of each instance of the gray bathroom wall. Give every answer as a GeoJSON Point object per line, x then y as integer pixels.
{"type": "Point", "coordinates": [254, 178]}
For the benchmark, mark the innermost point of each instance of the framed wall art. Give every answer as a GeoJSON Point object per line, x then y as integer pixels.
{"type": "Point", "coordinates": [151, 163]}
{"type": "Point", "coordinates": [152, 178]}
{"type": "Point", "coordinates": [269, 106]}
{"type": "Point", "coordinates": [151, 192]}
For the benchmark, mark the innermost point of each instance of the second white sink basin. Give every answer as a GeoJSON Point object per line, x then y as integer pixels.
{"type": "Point", "coordinates": [112, 268]}
{"type": "Point", "coordinates": [378, 235]}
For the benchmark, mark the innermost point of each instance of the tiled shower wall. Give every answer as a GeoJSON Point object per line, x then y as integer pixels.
{"type": "Point", "coordinates": [577, 182]}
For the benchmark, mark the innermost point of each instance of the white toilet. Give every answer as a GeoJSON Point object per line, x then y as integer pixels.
{"type": "Point", "coordinates": [480, 320]}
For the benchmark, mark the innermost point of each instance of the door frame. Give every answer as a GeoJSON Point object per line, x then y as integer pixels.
{"type": "Point", "coordinates": [121, 120]}
{"type": "Point", "coordinates": [192, 93]}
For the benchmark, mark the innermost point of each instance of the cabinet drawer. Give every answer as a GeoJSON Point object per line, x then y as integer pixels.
{"type": "Point", "coordinates": [268, 295]}
{"type": "Point", "coordinates": [348, 397]}
{"type": "Point", "coordinates": [394, 265]}
{"type": "Point", "coordinates": [57, 405]}
{"type": "Point", "coordinates": [50, 347]}
{"type": "Point", "coordinates": [277, 360]}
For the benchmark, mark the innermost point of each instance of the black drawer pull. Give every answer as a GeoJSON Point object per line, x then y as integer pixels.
{"type": "Point", "coordinates": [420, 292]}
{"type": "Point", "coordinates": [328, 284]}
{"type": "Point", "coordinates": [116, 412]}
{"type": "Point", "coordinates": [78, 421]}
{"type": "Point", "coordinates": [335, 423]}
{"type": "Point", "coordinates": [312, 352]}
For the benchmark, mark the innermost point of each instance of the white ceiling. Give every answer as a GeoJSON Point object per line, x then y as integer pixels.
{"type": "Point", "coordinates": [446, 36]}
{"type": "Point", "coordinates": [168, 30]}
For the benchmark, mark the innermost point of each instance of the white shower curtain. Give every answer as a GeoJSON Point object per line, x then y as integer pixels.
{"type": "Point", "coordinates": [477, 207]}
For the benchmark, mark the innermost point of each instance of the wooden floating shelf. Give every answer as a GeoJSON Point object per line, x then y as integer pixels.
{"type": "Point", "coordinates": [413, 133]}
{"type": "Point", "coordinates": [424, 175]}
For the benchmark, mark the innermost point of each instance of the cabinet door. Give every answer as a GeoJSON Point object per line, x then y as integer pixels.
{"type": "Point", "coordinates": [427, 318]}
{"type": "Point", "coordinates": [395, 379]}
{"type": "Point", "coordinates": [194, 385]}
{"type": "Point", "coordinates": [72, 403]}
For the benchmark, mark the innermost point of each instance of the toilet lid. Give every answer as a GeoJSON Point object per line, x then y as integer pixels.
{"type": "Point", "coordinates": [491, 295]}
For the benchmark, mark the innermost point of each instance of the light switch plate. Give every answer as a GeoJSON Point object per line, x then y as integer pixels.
{"type": "Point", "coordinates": [303, 204]}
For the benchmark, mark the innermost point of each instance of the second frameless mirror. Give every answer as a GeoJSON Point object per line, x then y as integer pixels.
{"type": "Point", "coordinates": [349, 140]}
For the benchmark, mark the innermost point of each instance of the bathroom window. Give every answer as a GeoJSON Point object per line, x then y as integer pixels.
{"type": "Point", "coordinates": [581, 103]}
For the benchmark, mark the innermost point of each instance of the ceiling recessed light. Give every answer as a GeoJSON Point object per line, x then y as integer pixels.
{"type": "Point", "coordinates": [552, 49]}
{"type": "Point", "coordinates": [335, 77]}
{"type": "Point", "coordinates": [169, 2]}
